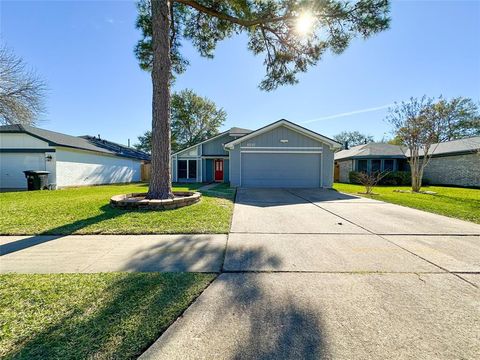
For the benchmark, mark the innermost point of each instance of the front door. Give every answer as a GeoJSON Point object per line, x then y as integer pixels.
{"type": "Point", "coordinates": [218, 170]}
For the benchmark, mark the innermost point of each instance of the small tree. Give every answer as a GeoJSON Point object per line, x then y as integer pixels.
{"type": "Point", "coordinates": [292, 35]}
{"type": "Point", "coordinates": [352, 138]}
{"type": "Point", "coordinates": [22, 93]}
{"type": "Point", "coordinates": [370, 180]}
{"type": "Point", "coordinates": [416, 125]}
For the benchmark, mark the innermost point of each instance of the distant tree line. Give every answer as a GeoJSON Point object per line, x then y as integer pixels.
{"type": "Point", "coordinates": [193, 119]}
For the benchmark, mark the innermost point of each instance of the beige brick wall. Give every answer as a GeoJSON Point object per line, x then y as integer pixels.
{"type": "Point", "coordinates": [462, 170]}
{"type": "Point", "coordinates": [345, 168]}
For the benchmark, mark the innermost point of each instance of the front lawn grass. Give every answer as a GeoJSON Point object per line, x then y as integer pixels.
{"type": "Point", "coordinates": [455, 202]}
{"type": "Point", "coordinates": [95, 316]}
{"type": "Point", "coordinates": [86, 210]}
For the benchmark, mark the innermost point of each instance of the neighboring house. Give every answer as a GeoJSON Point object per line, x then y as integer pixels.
{"type": "Point", "coordinates": [367, 158]}
{"type": "Point", "coordinates": [71, 160]}
{"type": "Point", "coordinates": [454, 162]}
{"type": "Point", "coordinates": [282, 154]}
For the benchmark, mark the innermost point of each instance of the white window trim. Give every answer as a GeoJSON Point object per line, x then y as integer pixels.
{"type": "Point", "coordinates": [188, 168]}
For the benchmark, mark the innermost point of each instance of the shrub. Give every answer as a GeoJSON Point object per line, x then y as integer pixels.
{"type": "Point", "coordinates": [392, 178]}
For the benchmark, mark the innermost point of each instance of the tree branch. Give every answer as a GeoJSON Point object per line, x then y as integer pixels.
{"type": "Point", "coordinates": [233, 19]}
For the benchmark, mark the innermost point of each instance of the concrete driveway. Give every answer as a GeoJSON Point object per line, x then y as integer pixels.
{"type": "Point", "coordinates": [312, 274]}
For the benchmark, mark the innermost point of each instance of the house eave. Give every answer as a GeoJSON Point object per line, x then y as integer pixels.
{"type": "Point", "coordinates": [332, 143]}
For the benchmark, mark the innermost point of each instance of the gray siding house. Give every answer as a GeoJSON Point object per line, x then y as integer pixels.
{"type": "Point", "coordinates": [282, 154]}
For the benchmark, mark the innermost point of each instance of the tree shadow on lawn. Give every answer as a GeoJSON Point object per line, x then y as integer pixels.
{"type": "Point", "coordinates": [56, 233]}
{"type": "Point", "coordinates": [137, 309]}
{"type": "Point", "coordinates": [108, 213]}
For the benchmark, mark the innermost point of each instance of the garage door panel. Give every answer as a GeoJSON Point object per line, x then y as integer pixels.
{"type": "Point", "coordinates": [280, 170]}
{"type": "Point", "coordinates": [12, 166]}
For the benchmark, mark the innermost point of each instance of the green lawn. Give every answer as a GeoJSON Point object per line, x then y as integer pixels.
{"type": "Point", "coordinates": [86, 210]}
{"type": "Point", "coordinates": [460, 203]}
{"type": "Point", "coordinates": [100, 316]}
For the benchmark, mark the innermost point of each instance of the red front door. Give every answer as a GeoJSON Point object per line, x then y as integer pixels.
{"type": "Point", "coordinates": [218, 169]}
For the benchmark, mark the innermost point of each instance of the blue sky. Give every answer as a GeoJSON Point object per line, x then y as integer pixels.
{"type": "Point", "coordinates": [84, 51]}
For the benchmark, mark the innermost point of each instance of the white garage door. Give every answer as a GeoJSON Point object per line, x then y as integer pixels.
{"type": "Point", "coordinates": [280, 170]}
{"type": "Point", "coordinates": [12, 166]}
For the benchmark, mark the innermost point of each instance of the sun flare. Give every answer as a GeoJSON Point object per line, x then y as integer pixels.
{"type": "Point", "coordinates": [304, 23]}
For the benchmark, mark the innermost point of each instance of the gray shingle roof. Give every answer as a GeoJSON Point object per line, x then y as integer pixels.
{"type": "Point", "coordinates": [466, 145]}
{"type": "Point", "coordinates": [236, 131]}
{"type": "Point", "coordinates": [84, 142]}
{"type": "Point", "coordinates": [370, 150]}
{"type": "Point", "coordinates": [381, 149]}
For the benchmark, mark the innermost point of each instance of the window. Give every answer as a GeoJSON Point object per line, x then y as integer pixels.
{"type": "Point", "coordinates": [362, 165]}
{"type": "Point", "coordinates": [187, 169]}
{"type": "Point", "coordinates": [403, 165]}
{"type": "Point", "coordinates": [182, 169]}
{"type": "Point", "coordinates": [387, 165]}
{"type": "Point", "coordinates": [192, 169]}
{"type": "Point", "coordinates": [376, 166]}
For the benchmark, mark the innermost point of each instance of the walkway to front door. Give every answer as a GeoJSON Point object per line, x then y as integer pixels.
{"type": "Point", "coordinates": [218, 170]}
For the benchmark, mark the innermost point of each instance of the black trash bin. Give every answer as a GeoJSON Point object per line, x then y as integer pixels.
{"type": "Point", "coordinates": [37, 179]}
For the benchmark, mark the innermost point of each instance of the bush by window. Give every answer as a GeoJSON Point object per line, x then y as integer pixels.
{"type": "Point", "coordinates": [393, 178]}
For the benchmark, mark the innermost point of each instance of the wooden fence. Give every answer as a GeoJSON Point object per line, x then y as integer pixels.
{"type": "Point", "coordinates": [145, 172]}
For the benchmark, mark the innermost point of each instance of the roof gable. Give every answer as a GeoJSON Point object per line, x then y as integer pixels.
{"type": "Point", "coordinates": [83, 143]}
{"type": "Point", "coordinates": [288, 124]}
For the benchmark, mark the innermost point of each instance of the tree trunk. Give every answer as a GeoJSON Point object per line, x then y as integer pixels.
{"type": "Point", "coordinates": [160, 181]}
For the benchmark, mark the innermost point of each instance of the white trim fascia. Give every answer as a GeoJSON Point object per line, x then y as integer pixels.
{"type": "Point", "coordinates": [287, 124]}
{"type": "Point", "coordinates": [240, 155]}
{"type": "Point", "coordinates": [321, 170]}
{"type": "Point", "coordinates": [280, 152]}
{"type": "Point", "coordinates": [281, 147]}
{"type": "Point", "coordinates": [200, 143]}
{"type": "Point", "coordinates": [199, 160]}
{"type": "Point", "coordinates": [229, 168]}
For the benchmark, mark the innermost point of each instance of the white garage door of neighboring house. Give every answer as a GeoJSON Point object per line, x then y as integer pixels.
{"type": "Point", "coordinates": [12, 166]}
{"type": "Point", "coordinates": [280, 170]}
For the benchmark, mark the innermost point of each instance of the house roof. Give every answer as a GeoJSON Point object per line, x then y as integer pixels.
{"type": "Point", "coordinates": [77, 142]}
{"type": "Point", "coordinates": [233, 132]}
{"type": "Point", "coordinates": [466, 145]}
{"type": "Point", "coordinates": [289, 124]}
{"type": "Point", "coordinates": [236, 131]}
{"type": "Point", "coordinates": [386, 150]}
{"type": "Point", "coordinates": [370, 150]}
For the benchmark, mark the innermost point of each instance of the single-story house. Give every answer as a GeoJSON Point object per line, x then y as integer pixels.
{"type": "Point", "coordinates": [281, 154]}
{"type": "Point", "coordinates": [455, 162]}
{"type": "Point", "coordinates": [369, 157]}
{"type": "Point", "coordinates": [71, 160]}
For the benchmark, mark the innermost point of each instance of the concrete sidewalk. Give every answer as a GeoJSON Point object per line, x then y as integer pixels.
{"type": "Point", "coordinates": [102, 253]}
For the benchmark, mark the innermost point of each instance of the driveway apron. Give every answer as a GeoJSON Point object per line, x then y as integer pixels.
{"type": "Point", "coordinates": [316, 274]}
